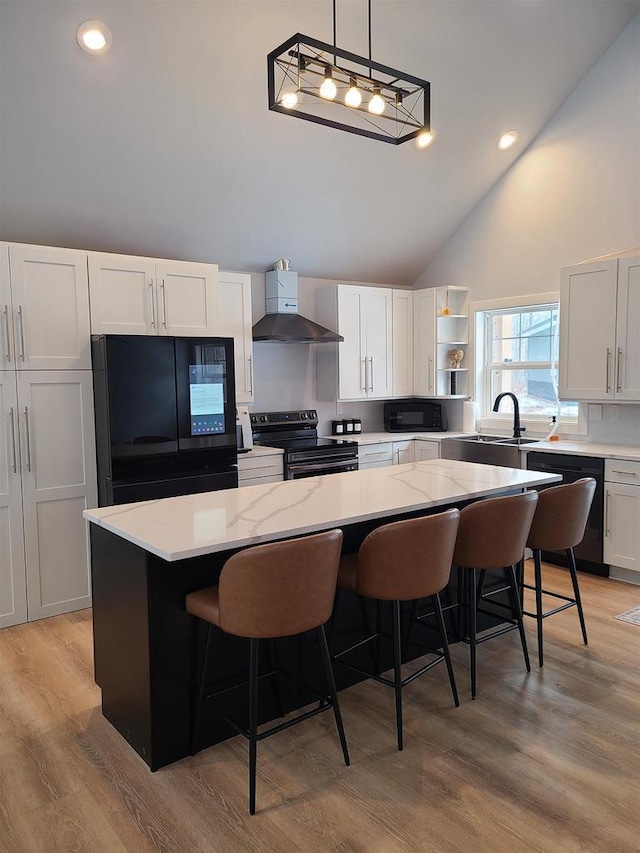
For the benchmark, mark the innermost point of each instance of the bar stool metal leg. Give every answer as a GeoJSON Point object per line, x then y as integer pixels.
{"type": "Point", "coordinates": [510, 573]}
{"type": "Point", "coordinates": [471, 593]}
{"type": "Point", "coordinates": [333, 693]}
{"type": "Point", "coordinates": [537, 569]}
{"type": "Point", "coordinates": [397, 671]}
{"type": "Point", "coordinates": [253, 721]}
{"type": "Point", "coordinates": [437, 606]}
{"type": "Point", "coordinates": [576, 592]}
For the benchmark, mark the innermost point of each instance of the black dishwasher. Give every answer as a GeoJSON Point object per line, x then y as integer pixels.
{"type": "Point", "coordinates": [589, 552]}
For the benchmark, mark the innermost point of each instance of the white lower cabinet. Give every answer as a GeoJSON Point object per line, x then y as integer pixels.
{"type": "Point", "coordinates": [403, 451]}
{"type": "Point", "coordinates": [47, 474]}
{"type": "Point", "coordinates": [258, 470]}
{"type": "Point", "coordinates": [375, 455]}
{"type": "Point", "coordinates": [622, 514]}
{"type": "Point", "coordinates": [427, 450]}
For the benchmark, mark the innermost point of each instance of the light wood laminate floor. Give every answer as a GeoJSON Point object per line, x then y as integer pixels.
{"type": "Point", "coordinates": [543, 762]}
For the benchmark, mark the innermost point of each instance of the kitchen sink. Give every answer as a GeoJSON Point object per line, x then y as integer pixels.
{"type": "Point", "coordinates": [487, 449]}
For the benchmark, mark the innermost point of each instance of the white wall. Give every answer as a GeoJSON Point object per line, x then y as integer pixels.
{"type": "Point", "coordinates": [574, 194]}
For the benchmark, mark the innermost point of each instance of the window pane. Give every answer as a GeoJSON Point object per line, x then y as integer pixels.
{"type": "Point", "coordinates": [536, 349]}
{"type": "Point", "coordinates": [535, 389]}
{"type": "Point", "coordinates": [506, 350]}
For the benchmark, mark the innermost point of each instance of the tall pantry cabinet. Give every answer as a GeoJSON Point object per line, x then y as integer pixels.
{"type": "Point", "coordinates": [47, 453]}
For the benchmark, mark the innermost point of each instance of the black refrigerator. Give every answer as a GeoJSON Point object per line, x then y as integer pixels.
{"type": "Point", "coordinates": [165, 416]}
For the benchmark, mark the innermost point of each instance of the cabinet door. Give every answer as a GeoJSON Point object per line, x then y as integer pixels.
{"type": "Point", "coordinates": [378, 325]}
{"type": "Point", "coordinates": [351, 352]}
{"type": "Point", "coordinates": [628, 330]}
{"type": "Point", "coordinates": [13, 590]}
{"type": "Point", "coordinates": [123, 295]}
{"type": "Point", "coordinates": [59, 482]}
{"type": "Point", "coordinates": [427, 450]}
{"type": "Point", "coordinates": [622, 526]}
{"type": "Point", "coordinates": [187, 298]}
{"type": "Point", "coordinates": [50, 307]}
{"type": "Point", "coordinates": [402, 343]}
{"type": "Point", "coordinates": [235, 321]}
{"type": "Point", "coordinates": [588, 331]}
{"type": "Point", "coordinates": [403, 451]}
{"type": "Point", "coordinates": [424, 336]}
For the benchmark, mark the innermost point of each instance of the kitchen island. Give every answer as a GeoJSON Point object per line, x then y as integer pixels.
{"type": "Point", "coordinates": [147, 556]}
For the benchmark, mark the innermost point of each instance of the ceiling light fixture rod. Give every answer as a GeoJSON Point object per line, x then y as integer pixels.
{"type": "Point", "coordinates": [369, 17]}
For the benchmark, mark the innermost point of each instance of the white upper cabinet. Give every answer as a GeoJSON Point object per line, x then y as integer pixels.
{"type": "Point", "coordinates": [147, 296]}
{"type": "Point", "coordinates": [441, 324]}
{"type": "Point", "coordinates": [403, 343]}
{"type": "Point", "coordinates": [361, 367]}
{"type": "Point", "coordinates": [424, 335]}
{"type": "Point", "coordinates": [45, 308]}
{"type": "Point", "coordinates": [235, 321]}
{"type": "Point", "coordinates": [599, 331]}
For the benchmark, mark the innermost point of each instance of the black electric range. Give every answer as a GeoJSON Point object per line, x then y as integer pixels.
{"type": "Point", "coordinates": [305, 455]}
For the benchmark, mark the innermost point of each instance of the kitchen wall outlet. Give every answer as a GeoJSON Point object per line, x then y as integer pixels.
{"type": "Point", "coordinates": [614, 413]}
{"type": "Point", "coordinates": [338, 408]}
{"type": "Point", "coordinates": [595, 412]}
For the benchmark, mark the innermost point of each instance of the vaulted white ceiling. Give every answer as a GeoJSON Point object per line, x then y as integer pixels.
{"type": "Point", "coordinates": [165, 146]}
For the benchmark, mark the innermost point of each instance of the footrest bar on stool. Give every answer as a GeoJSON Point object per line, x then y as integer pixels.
{"type": "Point", "coordinates": [551, 612]}
{"type": "Point", "coordinates": [281, 726]}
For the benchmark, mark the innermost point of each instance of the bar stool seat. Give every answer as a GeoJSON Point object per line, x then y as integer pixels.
{"type": "Point", "coordinates": [492, 536]}
{"type": "Point", "coordinates": [403, 561]}
{"type": "Point", "coordinates": [281, 589]}
{"type": "Point", "coordinates": [558, 525]}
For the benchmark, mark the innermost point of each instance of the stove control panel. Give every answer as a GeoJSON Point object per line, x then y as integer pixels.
{"type": "Point", "coordinates": [307, 417]}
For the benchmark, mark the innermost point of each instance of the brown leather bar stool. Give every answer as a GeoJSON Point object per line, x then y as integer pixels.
{"type": "Point", "coordinates": [403, 561]}
{"type": "Point", "coordinates": [276, 590]}
{"type": "Point", "coordinates": [492, 535]}
{"type": "Point", "coordinates": [558, 525]}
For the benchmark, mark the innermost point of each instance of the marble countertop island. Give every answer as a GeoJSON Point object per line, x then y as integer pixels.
{"type": "Point", "coordinates": [193, 525]}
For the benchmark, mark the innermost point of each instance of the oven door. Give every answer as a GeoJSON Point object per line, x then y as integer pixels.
{"type": "Point", "coordinates": [317, 468]}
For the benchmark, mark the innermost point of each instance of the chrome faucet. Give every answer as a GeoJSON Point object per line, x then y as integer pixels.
{"type": "Point", "coordinates": [517, 429]}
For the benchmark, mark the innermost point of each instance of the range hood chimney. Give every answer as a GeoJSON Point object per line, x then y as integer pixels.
{"type": "Point", "coordinates": [282, 322]}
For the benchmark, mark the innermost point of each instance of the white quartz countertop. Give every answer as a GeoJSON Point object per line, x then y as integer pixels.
{"type": "Point", "coordinates": [383, 437]}
{"type": "Point", "coordinates": [586, 448]}
{"type": "Point", "coordinates": [260, 450]}
{"type": "Point", "coordinates": [193, 525]}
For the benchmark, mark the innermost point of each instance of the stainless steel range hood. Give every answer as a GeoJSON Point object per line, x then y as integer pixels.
{"type": "Point", "coordinates": [282, 323]}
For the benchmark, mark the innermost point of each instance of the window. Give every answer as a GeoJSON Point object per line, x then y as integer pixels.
{"type": "Point", "coordinates": [518, 348]}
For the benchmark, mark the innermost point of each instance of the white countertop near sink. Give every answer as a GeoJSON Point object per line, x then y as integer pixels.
{"type": "Point", "coordinates": [193, 525]}
{"type": "Point", "coordinates": [585, 448]}
{"type": "Point", "coordinates": [383, 437]}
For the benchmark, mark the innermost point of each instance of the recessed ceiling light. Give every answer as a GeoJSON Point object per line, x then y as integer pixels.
{"type": "Point", "coordinates": [507, 139]}
{"type": "Point", "coordinates": [94, 37]}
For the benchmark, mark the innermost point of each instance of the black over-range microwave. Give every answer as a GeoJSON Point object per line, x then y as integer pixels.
{"type": "Point", "coordinates": [413, 415]}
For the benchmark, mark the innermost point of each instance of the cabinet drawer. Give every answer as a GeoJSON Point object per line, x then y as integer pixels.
{"type": "Point", "coordinates": [259, 481]}
{"type": "Point", "coordinates": [259, 466]}
{"type": "Point", "coordinates": [375, 454]}
{"type": "Point", "coordinates": [622, 471]}
{"type": "Point", "coordinates": [427, 450]}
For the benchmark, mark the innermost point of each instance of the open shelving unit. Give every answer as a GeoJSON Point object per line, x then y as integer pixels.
{"type": "Point", "coordinates": [452, 332]}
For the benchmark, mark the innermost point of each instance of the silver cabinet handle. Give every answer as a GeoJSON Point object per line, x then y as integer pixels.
{"type": "Point", "coordinates": [618, 379]}
{"type": "Point", "coordinates": [371, 387]}
{"type": "Point", "coordinates": [164, 306]}
{"type": "Point", "coordinates": [430, 373]}
{"type": "Point", "coordinates": [608, 363]}
{"type": "Point", "coordinates": [607, 530]}
{"type": "Point", "coordinates": [21, 324]}
{"type": "Point", "coordinates": [363, 382]}
{"type": "Point", "coordinates": [28, 437]}
{"type": "Point", "coordinates": [5, 314]}
{"type": "Point", "coordinates": [13, 441]}
{"type": "Point", "coordinates": [628, 473]}
{"type": "Point", "coordinates": [153, 304]}
{"type": "Point", "coordinates": [250, 360]}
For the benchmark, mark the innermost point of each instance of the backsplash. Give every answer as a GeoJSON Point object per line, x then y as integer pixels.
{"type": "Point", "coordinates": [625, 429]}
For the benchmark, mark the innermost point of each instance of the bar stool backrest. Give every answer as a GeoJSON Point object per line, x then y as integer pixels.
{"type": "Point", "coordinates": [561, 515]}
{"type": "Point", "coordinates": [493, 532]}
{"type": "Point", "coordinates": [406, 560]}
{"type": "Point", "coordinates": [280, 589]}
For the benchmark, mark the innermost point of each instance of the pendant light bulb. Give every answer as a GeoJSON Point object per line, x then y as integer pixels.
{"type": "Point", "coordinates": [425, 138]}
{"type": "Point", "coordinates": [289, 99]}
{"type": "Point", "coordinates": [328, 89]}
{"type": "Point", "coordinates": [353, 98]}
{"type": "Point", "coordinates": [376, 104]}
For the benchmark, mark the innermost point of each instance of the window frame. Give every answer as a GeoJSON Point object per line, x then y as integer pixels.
{"type": "Point", "coordinates": [489, 421]}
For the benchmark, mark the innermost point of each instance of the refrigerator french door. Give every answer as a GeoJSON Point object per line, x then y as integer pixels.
{"type": "Point", "coordinates": [165, 416]}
